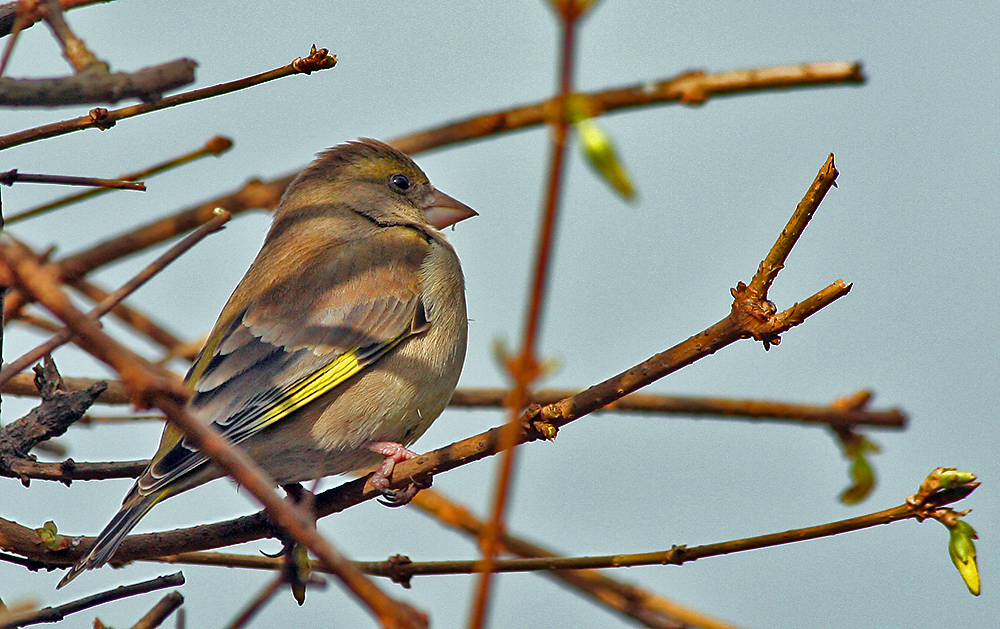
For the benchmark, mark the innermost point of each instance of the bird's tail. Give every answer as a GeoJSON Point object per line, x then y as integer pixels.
{"type": "Point", "coordinates": [135, 506]}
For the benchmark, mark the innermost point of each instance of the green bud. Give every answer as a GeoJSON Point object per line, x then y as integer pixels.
{"type": "Point", "coordinates": [302, 568]}
{"type": "Point", "coordinates": [963, 554]}
{"type": "Point", "coordinates": [953, 478]}
{"type": "Point", "coordinates": [864, 480]}
{"type": "Point", "coordinates": [50, 537]}
{"type": "Point", "coordinates": [601, 154]}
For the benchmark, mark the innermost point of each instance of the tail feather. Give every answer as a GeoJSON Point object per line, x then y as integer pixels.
{"type": "Point", "coordinates": [108, 540]}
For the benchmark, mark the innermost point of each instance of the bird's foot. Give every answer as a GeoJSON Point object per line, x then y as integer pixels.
{"type": "Point", "coordinates": [382, 477]}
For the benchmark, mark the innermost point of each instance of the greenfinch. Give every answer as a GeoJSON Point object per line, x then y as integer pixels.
{"type": "Point", "coordinates": [340, 346]}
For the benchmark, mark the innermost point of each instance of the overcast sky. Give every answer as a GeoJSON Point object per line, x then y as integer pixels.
{"type": "Point", "coordinates": [913, 224]}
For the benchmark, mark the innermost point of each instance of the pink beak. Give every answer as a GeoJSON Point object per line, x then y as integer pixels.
{"type": "Point", "coordinates": [444, 211]}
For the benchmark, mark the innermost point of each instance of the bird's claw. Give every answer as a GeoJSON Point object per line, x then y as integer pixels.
{"type": "Point", "coordinates": [381, 479]}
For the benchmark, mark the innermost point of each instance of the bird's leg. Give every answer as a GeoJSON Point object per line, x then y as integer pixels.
{"type": "Point", "coordinates": [300, 496]}
{"type": "Point", "coordinates": [295, 569]}
{"type": "Point", "coordinates": [393, 453]}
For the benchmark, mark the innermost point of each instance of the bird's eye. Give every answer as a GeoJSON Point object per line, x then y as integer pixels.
{"type": "Point", "coordinates": [400, 182]}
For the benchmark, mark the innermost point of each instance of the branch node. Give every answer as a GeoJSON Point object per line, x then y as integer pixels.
{"type": "Point", "coordinates": [99, 116]}
{"type": "Point", "coordinates": [318, 59]}
{"type": "Point", "coordinates": [537, 424]}
{"type": "Point", "coordinates": [395, 569]}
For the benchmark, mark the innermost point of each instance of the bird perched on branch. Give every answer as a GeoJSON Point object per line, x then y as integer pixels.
{"type": "Point", "coordinates": [341, 344]}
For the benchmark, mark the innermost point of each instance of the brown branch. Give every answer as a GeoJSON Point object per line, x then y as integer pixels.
{"type": "Point", "coordinates": [50, 419]}
{"type": "Point", "coordinates": [75, 51]}
{"type": "Point", "coordinates": [524, 368]}
{"type": "Point", "coordinates": [216, 146]}
{"type": "Point", "coordinates": [719, 408]}
{"type": "Point", "coordinates": [104, 119]}
{"type": "Point", "coordinates": [90, 87]}
{"type": "Point", "coordinates": [676, 555]}
{"type": "Point", "coordinates": [929, 502]}
{"type": "Point", "coordinates": [138, 321]}
{"type": "Point", "coordinates": [631, 601]}
{"type": "Point", "coordinates": [55, 614]}
{"type": "Point", "coordinates": [9, 11]}
{"type": "Point", "coordinates": [692, 88]}
{"type": "Point", "coordinates": [155, 617]}
{"type": "Point", "coordinates": [69, 470]}
{"type": "Point", "coordinates": [126, 289]}
{"type": "Point", "coordinates": [10, 177]}
{"type": "Point", "coordinates": [23, 385]}
{"type": "Point", "coordinates": [769, 410]}
{"type": "Point", "coordinates": [775, 260]}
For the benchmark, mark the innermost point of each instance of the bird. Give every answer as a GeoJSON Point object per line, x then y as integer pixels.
{"type": "Point", "coordinates": [338, 348]}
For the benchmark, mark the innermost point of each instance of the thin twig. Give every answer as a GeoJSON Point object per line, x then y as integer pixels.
{"type": "Point", "coordinates": [90, 87]}
{"type": "Point", "coordinates": [524, 368]}
{"type": "Point", "coordinates": [928, 502]}
{"type": "Point", "coordinates": [258, 602]}
{"type": "Point", "coordinates": [718, 408]}
{"type": "Point", "coordinates": [75, 51]}
{"type": "Point", "coordinates": [104, 119]}
{"type": "Point", "coordinates": [215, 146]}
{"type": "Point", "coordinates": [721, 408]}
{"type": "Point", "coordinates": [775, 260]}
{"type": "Point", "coordinates": [139, 321]}
{"type": "Point", "coordinates": [111, 300]}
{"type": "Point", "coordinates": [10, 177]}
{"type": "Point", "coordinates": [155, 617]}
{"type": "Point", "coordinates": [9, 10]}
{"type": "Point", "coordinates": [55, 614]}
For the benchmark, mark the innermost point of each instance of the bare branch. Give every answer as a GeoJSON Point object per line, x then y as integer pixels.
{"type": "Point", "coordinates": [9, 11]}
{"type": "Point", "coordinates": [90, 87]}
{"type": "Point", "coordinates": [104, 119]}
{"type": "Point", "coordinates": [75, 51]}
{"type": "Point", "coordinates": [155, 617]}
{"type": "Point", "coordinates": [55, 614]}
{"type": "Point", "coordinates": [50, 419]}
{"type": "Point", "coordinates": [216, 146]}
{"type": "Point", "coordinates": [10, 177]}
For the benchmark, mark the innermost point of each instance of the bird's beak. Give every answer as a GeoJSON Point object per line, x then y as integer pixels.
{"type": "Point", "coordinates": [443, 211]}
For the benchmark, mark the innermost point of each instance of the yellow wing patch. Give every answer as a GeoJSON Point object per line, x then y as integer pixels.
{"type": "Point", "coordinates": [311, 387]}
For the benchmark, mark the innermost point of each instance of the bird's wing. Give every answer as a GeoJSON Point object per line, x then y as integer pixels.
{"type": "Point", "coordinates": [347, 308]}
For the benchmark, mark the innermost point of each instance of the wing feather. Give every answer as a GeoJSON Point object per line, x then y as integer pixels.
{"type": "Point", "coordinates": [284, 350]}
